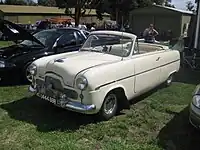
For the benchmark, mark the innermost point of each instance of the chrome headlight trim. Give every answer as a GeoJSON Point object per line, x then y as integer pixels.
{"type": "Point", "coordinates": [32, 69]}
{"type": "Point", "coordinates": [196, 101]}
{"type": "Point", "coordinates": [81, 83]}
{"type": "Point", "coordinates": [2, 64]}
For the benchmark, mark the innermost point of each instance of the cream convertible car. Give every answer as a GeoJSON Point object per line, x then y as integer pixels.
{"type": "Point", "coordinates": [110, 69]}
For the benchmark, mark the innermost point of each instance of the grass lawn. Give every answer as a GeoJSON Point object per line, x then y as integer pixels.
{"type": "Point", "coordinates": [158, 121]}
{"type": "Point", "coordinates": [5, 43]}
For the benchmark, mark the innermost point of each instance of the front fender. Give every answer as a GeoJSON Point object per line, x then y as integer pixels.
{"type": "Point", "coordinates": [103, 91]}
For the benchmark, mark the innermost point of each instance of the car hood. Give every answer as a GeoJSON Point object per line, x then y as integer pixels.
{"type": "Point", "coordinates": [15, 50]}
{"type": "Point", "coordinates": [15, 32]}
{"type": "Point", "coordinates": [69, 67]}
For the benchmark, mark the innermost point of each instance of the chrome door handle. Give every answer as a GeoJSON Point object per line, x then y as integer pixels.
{"type": "Point", "coordinates": [158, 59]}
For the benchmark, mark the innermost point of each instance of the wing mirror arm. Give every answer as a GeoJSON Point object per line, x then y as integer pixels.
{"type": "Point", "coordinates": [55, 45]}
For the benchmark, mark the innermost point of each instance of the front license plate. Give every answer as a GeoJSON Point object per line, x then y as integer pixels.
{"type": "Point", "coordinates": [48, 98]}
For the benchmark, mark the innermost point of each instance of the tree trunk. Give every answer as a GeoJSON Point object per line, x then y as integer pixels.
{"type": "Point", "coordinates": [117, 15]}
{"type": "Point", "coordinates": [77, 13]}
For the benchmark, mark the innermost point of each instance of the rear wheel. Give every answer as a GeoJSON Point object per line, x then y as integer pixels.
{"type": "Point", "coordinates": [109, 107]}
{"type": "Point", "coordinates": [169, 80]}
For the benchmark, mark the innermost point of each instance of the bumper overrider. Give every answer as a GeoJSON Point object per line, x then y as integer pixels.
{"type": "Point", "coordinates": [64, 102]}
{"type": "Point", "coordinates": [194, 116]}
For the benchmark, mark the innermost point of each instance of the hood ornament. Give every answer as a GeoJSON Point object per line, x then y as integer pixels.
{"type": "Point", "coordinates": [59, 60]}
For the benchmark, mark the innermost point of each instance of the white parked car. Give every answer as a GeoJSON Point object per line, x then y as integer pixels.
{"type": "Point", "coordinates": [110, 69]}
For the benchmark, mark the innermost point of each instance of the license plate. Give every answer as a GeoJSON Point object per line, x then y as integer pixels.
{"type": "Point", "coordinates": [48, 98]}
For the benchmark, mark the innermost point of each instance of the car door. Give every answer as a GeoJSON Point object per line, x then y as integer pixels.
{"type": "Point", "coordinates": [67, 43]}
{"type": "Point", "coordinates": [147, 71]}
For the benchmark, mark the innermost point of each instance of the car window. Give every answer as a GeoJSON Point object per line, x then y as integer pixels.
{"type": "Point", "coordinates": [67, 39]}
{"type": "Point", "coordinates": [46, 37]}
{"type": "Point", "coordinates": [136, 48]}
{"type": "Point", "coordinates": [107, 43]}
{"type": "Point", "coordinates": [80, 38]}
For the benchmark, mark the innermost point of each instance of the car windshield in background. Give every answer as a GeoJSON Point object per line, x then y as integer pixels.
{"type": "Point", "coordinates": [47, 38]}
{"type": "Point", "coordinates": [110, 44]}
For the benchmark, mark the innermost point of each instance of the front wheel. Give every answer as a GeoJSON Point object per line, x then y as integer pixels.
{"type": "Point", "coordinates": [26, 76]}
{"type": "Point", "coordinates": [109, 107]}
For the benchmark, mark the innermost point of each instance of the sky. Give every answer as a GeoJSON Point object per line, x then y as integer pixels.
{"type": "Point", "coordinates": [180, 3]}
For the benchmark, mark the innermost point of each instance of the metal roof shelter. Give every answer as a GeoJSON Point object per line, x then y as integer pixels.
{"type": "Point", "coordinates": [164, 19]}
{"type": "Point", "coordinates": [196, 39]}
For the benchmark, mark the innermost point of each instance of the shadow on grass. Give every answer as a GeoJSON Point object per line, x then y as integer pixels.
{"type": "Point", "coordinates": [188, 76]}
{"type": "Point", "coordinates": [12, 81]}
{"type": "Point", "coordinates": [178, 134]}
{"type": "Point", "coordinates": [46, 116]}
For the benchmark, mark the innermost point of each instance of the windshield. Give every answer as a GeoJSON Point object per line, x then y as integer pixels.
{"type": "Point", "coordinates": [110, 44]}
{"type": "Point", "coordinates": [46, 37]}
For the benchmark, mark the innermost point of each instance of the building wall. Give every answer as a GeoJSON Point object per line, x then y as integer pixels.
{"type": "Point", "coordinates": [165, 23]}
{"type": "Point", "coordinates": [162, 18]}
{"type": "Point", "coordinates": [139, 22]}
{"type": "Point", "coordinates": [94, 19]}
{"type": "Point", "coordinates": [185, 23]}
{"type": "Point", "coordinates": [27, 18]}
{"type": "Point", "coordinates": [162, 23]}
{"type": "Point", "coordinates": [11, 18]}
{"type": "Point", "coordinates": [1, 14]}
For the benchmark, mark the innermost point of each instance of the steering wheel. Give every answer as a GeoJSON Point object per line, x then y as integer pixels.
{"type": "Point", "coordinates": [125, 52]}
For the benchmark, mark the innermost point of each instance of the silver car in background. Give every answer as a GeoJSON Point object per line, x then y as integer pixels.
{"type": "Point", "coordinates": [194, 116]}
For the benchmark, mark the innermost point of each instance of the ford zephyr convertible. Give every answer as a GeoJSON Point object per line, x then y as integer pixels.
{"type": "Point", "coordinates": [110, 69]}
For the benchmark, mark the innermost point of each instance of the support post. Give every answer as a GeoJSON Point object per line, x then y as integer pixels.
{"type": "Point", "coordinates": [197, 26]}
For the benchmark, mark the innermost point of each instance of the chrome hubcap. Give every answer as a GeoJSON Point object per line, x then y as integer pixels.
{"type": "Point", "coordinates": [29, 76]}
{"type": "Point", "coordinates": [110, 104]}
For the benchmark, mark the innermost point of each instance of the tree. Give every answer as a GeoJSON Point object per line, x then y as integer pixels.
{"type": "Point", "coordinates": [190, 6]}
{"type": "Point", "coordinates": [123, 7]}
{"type": "Point", "coordinates": [31, 3]}
{"type": "Point", "coordinates": [15, 2]}
{"type": "Point", "coordinates": [49, 3]}
{"type": "Point", "coordinates": [79, 5]}
{"type": "Point", "coordinates": [169, 5]}
{"type": "Point", "coordinates": [118, 7]}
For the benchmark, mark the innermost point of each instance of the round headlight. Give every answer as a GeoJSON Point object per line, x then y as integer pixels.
{"type": "Point", "coordinates": [81, 83]}
{"type": "Point", "coordinates": [196, 101]}
{"type": "Point", "coordinates": [32, 69]}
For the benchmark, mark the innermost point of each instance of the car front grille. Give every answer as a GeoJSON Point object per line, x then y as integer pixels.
{"type": "Point", "coordinates": [56, 85]}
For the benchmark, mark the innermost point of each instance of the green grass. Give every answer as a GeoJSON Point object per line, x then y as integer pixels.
{"type": "Point", "coordinates": [158, 121]}
{"type": "Point", "coordinates": [5, 43]}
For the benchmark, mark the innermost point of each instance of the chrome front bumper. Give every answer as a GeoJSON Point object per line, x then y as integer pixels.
{"type": "Point", "coordinates": [71, 105]}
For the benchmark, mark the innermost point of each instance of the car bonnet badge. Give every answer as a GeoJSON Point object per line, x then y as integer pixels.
{"type": "Point", "coordinates": [59, 60]}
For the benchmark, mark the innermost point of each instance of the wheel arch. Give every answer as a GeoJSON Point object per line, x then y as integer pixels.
{"type": "Point", "coordinates": [120, 91]}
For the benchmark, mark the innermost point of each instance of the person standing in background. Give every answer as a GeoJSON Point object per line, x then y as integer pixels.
{"type": "Point", "coordinates": [149, 34]}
